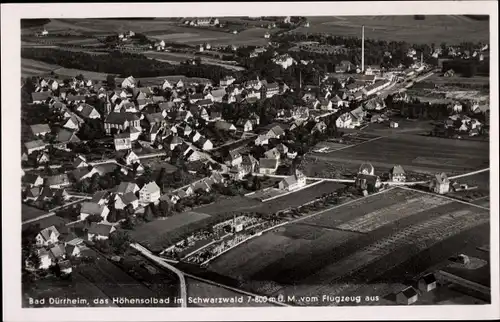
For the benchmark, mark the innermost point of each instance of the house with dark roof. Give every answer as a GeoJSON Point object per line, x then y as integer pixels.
{"type": "Point", "coordinates": [83, 173]}
{"type": "Point", "coordinates": [32, 180]}
{"type": "Point", "coordinates": [40, 129]}
{"type": "Point", "coordinates": [57, 252]}
{"type": "Point", "coordinates": [268, 166]}
{"type": "Point", "coordinates": [224, 126]}
{"type": "Point", "coordinates": [33, 146]}
{"type": "Point", "coordinates": [40, 97]}
{"type": "Point", "coordinates": [126, 187]}
{"type": "Point", "coordinates": [427, 283]}
{"type": "Point", "coordinates": [407, 296]}
{"type": "Point", "coordinates": [126, 199]}
{"type": "Point", "coordinates": [87, 111]}
{"type": "Point", "coordinates": [57, 181]}
{"type": "Point", "coordinates": [121, 121]}
{"type": "Point", "coordinates": [65, 136]}
{"type": "Point", "coordinates": [275, 132]}
{"type": "Point", "coordinates": [100, 231]}
{"type": "Point", "coordinates": [101, 197]}
{"type": "Point", "coordinates": [90, 208]}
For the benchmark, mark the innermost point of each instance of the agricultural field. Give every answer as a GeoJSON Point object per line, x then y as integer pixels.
{"type": "Point", "coordinates": [435, 28]}
{"type": "Point", "coordinates": [31, 67]}
{"type": "Point", "coordinates": [415, 153]}
{"type": "Point", "coordinates": [350, 248]}
{"type": "Point", "coordinates": [155, 232]}
{"type": "Point", "coordinates": [197, 36]}
{"type": "Point", "coordinates": [177, 58]}
{"type": "Point", "coordinates": [29, 212]}
{"type": "Point", "coordinates": [159, 234]}
{"type": "Point", "coordinates": [70, 72]}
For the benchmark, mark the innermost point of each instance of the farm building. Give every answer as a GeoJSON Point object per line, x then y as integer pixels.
{"type": "Point", "coordinates": [397, 174]}
{"type": "Point", "coordinates": [100, 231]}
{"type": "Point", "coordinates": [440, 183]}
{"type": "Point", "coordinates": [368, 182]}
{"type": "Point", "coordinates": [407, 296]}
{"type": "Point", "coordinates": [295, 181]}
{"type": "Point", "coordinates": [427, 283]}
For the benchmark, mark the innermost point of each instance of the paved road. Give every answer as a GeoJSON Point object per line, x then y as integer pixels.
{"type": "Point", "coordinates": [52, 211]}
{"type": "Point", "coordinates": [162, 263]}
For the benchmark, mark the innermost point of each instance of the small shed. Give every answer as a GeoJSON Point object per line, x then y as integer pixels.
{"type": "Point", "coordinates": [394, 124]}
{"type": "Point", "coordinates": [427, 283]}
{"type": "Point", "coordinates": [407, 296]}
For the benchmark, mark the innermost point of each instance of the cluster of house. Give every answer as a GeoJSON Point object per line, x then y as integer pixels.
{"type": "Point", "coordinates": [463, 124]}
{"type": "Point", "coordinates": [58, 247]}
{"type": "Point", "coordinates": [457, 52]}
{"type": "Point", "coordinates": [203, 22]}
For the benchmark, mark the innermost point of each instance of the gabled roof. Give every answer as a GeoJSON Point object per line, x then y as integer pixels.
{"type": "Point", "coordinates": [429, 278]}
{"type": "Point", "coordinates": [125, 187]}
{"type": "Point", "coordinates": [100, 195]}
{"type": "Point", "coordinates": [397, 170]}
{"type": "Point", "coordinates": [441, 177]}
{"type": "Point", "coordinates": [151, 187]}
{"type": "Point", "coordinates": [65, 136]}
{"type": "Point", "coordinates": [40, 128]}
{"type": "Point", "coordinates": [30, 178]}
{"type": "Point", "coordinates": [45, 233]}
{"type": "Point", "coordinates": [92, 208]}
{"type": "Point", "coordinates": [100, 229]}
{"type": "Point", "coordinates": [35, 144]}
{"type": "Point", "coordinates": [40, 96]}
{"type": "Point", "coordinates": [120, 118]}
{"type": "Point", "coordinates": [128, 198]}
{"type": "Point", "coordinates": [57, 251]}
{"type": "Point", "coordinates": [268, 163]}
{"type": "Point", "coordinates": [57, 179]}
{"type": "Point", "coordinates": [409, 292]}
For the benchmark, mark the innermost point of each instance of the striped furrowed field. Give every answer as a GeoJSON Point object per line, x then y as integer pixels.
{"type": "Point", "coordinates": [347, 248]}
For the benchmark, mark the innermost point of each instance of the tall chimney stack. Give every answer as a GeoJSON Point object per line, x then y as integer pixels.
{"type": "Point", "coordinates": [363, 49]}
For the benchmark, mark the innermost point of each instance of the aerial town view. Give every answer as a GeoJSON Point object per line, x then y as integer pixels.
{"type": "Point", "coordinates": [255, 161]}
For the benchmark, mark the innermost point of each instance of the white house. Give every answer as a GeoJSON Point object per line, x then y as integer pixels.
{"type": "Point", "coordinates": [129, 82]}
{"type": "Point", "coordinates": [295, 181]}
{"type": "Point", "coordinates": [47, 236]}
{"type": "Point", "coordinates": [149, 193]}
{"type": "Point", "coordinates": [100, 231]}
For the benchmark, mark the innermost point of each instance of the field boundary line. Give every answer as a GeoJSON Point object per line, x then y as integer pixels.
{"type": "Point", "coordinates": [244, 240]}
{"type": "Point", "coordinates": [469, 173]}
{"type": "Point", "coordinates": [445, 197]}
{"type": "Point", "coordinates": [237, 290]}
{"type": "Point", "coordinates": [337, 206]}
{"type": "Point", "coordinates": [353, 145]}
{"type": "Point", "coordinates": [296, 190]}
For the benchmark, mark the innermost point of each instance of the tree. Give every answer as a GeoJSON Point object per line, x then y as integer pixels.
{"type": "Point", "coordinates": [110, 82]}
{"type": "Point", "coordinates": [94, 218]}
{"type": "Point", "coordinates": [120, 242]}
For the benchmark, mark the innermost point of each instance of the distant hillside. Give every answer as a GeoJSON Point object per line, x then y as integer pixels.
{"type": "Point", "coordinates": [478, 17]}
{"type": "Point", "coordinates": [30, 23]}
